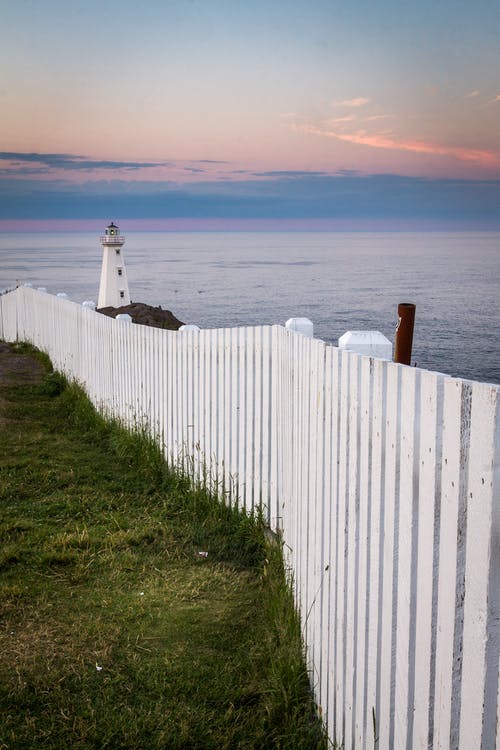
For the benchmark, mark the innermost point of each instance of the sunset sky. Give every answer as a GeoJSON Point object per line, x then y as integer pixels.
{"type": "Point", "coordinates": [277, 110]}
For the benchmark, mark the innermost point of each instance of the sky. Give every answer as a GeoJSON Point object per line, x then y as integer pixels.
{"type": "Point", "coordinates": [324, 113]}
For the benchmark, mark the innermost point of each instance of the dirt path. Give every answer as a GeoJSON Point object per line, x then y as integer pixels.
{"type": "Point", "coordinates": [16, 367]}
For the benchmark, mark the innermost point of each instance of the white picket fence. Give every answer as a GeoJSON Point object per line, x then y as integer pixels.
{"type": "Point", "coordinates": [383, 480]}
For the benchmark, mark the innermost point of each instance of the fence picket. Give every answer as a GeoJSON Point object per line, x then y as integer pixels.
{"type": "Point", "coordinates": [363, 543]}
{"type": "Point", "coordinates": [428, 516]}
{"type": "Point", "coordinates": [377, 530]}
{"type": "Point", "coordinates": [341, 547]}
{"type": "Point", "coordinates": [481, 634]}
{"type": "Point", "coordinates": [384, 715]}
{"type": "Point", "coordinates": [456, 416]}
{"type": "Point", "coordinates": [407, 528]}
{"type": "Point", "coordinates": [352, 546]}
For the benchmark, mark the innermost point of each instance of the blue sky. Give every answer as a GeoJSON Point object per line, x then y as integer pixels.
{"type": "Point", "coordinates": [217, 109]}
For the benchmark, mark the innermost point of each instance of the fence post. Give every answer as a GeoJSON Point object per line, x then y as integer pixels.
{"type": "Point", "coordinates": [300, 325]}
{"type": "Point", "coordinates": [404, 333]}
{"type": "Point", "coordinates": [371, 343]}
{"type": "Point", "coordinates": [189, 327]}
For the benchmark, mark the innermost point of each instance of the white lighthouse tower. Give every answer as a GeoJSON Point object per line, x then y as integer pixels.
{"type": "Point", "coordinates": [113, 287]}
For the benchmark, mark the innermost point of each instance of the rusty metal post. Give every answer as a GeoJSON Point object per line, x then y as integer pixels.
{"type": "Point", "coordinates": [404, 333]}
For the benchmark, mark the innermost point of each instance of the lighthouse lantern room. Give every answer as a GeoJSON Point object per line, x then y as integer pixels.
{"type": "Point", "coordinates": [113, 287]}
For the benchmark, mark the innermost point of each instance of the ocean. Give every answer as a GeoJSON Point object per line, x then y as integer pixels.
{"type": "Point", "coordinates": [340, 280]}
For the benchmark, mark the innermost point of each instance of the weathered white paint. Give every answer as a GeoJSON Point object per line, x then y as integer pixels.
{"type": "Point", "coordinates": [427, 520]}
{"type": "Point", "coordinates": [382, 479]}
{"type": "Point", "coordinates": [113, 285]}
{"type": "Point", "coordinates": [481, 633]}
{"type": "Point", "coordinates": [371, 343]}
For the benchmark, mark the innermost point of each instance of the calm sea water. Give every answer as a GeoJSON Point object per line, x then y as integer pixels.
{"type": "Point", "coordinates": [341, 281]}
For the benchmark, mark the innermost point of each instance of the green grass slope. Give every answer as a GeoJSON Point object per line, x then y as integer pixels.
{"type": "Point", "coordinates": [115, 632]}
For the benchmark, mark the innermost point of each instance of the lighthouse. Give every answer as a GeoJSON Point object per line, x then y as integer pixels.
{"type": "Point", "coordinates": [113, 287]}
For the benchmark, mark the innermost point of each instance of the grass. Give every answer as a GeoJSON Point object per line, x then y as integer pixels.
{"type": "Point", "coordinates": [115, 632]}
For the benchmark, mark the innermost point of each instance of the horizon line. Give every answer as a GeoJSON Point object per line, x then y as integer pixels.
{"type": "Point", "coordinates": [248, 225]}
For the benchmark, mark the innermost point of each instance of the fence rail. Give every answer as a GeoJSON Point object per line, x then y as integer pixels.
{"type": "Point", "coordinates": [383, 480]}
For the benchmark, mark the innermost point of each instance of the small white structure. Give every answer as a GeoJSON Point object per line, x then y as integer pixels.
{"type": "Point", "coordinates": [113, 287]}
{"type": "Point", "coordinates": [189, 327]}
{"type": "Point", "coordinates": [300, 325]}
{"type": "Point", "coordinates": [371, 343]}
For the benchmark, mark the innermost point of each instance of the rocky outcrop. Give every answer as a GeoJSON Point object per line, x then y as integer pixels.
{"type": "Point", "coordinates": [146, 315]}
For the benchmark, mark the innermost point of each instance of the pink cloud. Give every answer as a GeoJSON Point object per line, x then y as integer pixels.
{"type": "Point", "coordinates": [359, 101]}
{"type": "Point", "coordinates": [346, 118]}
{"type": "Point", "coordinates": [381, 140]}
